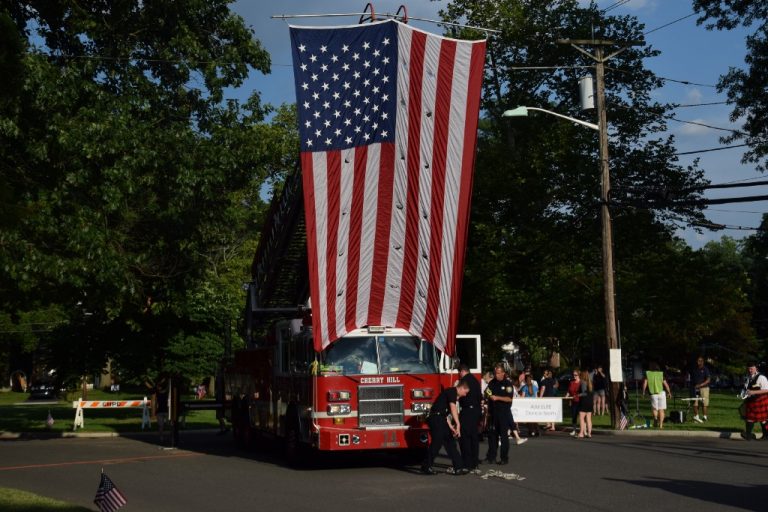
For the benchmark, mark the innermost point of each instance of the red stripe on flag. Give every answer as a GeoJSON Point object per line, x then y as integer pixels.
{"type": "Point", "coordinates": [355, 230]}
{"type": "Point", "coordinates": [309, 218]}
{"type": "Point", "coordinates": [386, 183]}
{"type": "Point", "coordinates": [468, 163]}
{"type": "Point", "coordinates": [333, 159]}
{"type": "Point", "coordinates": [411, 243]}
{"type": "Point", "coordinates": [439, 154]}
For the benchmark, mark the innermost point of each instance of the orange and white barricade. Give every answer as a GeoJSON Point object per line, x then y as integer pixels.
{"type": "Point", "coordinates": [111, 404]}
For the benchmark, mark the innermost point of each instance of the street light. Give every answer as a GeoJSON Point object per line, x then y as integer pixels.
{"type": "Point", "coordinates": [611, 335]}
{"type": "Point", "coordinates": [523, 112]}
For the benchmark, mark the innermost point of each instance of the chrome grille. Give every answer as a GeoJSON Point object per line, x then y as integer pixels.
{"type": "Point", "coordinates": [380, 406]}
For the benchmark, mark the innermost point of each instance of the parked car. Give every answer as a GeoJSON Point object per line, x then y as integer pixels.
{"type": "Point", "coordinates": [43, 390]}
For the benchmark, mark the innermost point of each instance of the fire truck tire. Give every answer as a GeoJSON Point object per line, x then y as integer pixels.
{"type": "Point", "coordinates": [292, 446]}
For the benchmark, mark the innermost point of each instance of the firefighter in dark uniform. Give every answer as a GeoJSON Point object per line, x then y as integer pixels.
{"type": "Point", "coordinates": [499, 394]}
{"type": "Point", "coordinates": [444, 426]}
{"type": "Point", "coordinates": [469, 417]}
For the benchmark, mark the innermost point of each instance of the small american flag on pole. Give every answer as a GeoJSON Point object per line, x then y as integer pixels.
{"type": "Point", "coordinates": [623, 422]}
{"type": "Point", "coordinates": [108, 497]}
{"type": "Point", "coordinates": [388, 124]}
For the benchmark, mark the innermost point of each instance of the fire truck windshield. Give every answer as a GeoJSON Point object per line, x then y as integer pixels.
{"type": "Point", "coordinates": [379, 355]}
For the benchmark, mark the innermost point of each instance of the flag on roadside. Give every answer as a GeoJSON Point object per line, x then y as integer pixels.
{"type": "Point", "coordinates": [108, 497]}
{"type": "Point", "coordinates": [623, 422]}
{"type": "Point", "coordinates": [388, 126]}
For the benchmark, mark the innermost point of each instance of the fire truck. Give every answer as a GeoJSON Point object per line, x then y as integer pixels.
{"type": "Point", "coordinates": [371, 389]}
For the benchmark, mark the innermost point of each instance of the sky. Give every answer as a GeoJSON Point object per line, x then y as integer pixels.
{"type": "Point", "coordinates": [689, 53]}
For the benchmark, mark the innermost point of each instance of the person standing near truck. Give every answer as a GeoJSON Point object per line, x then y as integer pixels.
{"type": "Point", "coordinates": [444, 428]}
{"type": "Point", "coordinates": [469, 416]}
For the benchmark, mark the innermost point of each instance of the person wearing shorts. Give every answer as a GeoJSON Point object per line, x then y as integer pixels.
{"type": "Point", "coordinates": [599, 381]}
{"type": "Point", "coordinates": [700, 379]}
{"type": "Point", "coordinates": [656, 385]}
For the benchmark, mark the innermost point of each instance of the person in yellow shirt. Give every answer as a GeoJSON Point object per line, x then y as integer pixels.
{"type": "Point", "coordinates": [656, 384]}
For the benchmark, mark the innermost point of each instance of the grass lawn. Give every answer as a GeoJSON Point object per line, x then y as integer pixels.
{"type": "Point", "coordinates": [723, 412]}
{"type": "Point", "coordinates": [17, 414]}
{"type": "Point", "coordinates": [22, 501]}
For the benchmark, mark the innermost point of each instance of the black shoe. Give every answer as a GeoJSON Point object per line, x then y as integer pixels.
{"type": "Point", "coordinates": [748, 437]}
{"type": "Point", "coordinates": [503, 462]}
{"type": "Point", "coordinates": [489, 461]}
{"type": "Point", "coordinates": [428, 470]}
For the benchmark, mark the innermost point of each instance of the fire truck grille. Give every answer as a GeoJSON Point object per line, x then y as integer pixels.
{"type": "Point", "coordinates": [380, 406]}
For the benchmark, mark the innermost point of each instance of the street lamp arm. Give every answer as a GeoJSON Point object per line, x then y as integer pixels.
{"type": "Point", "coordinates": [523, 111]}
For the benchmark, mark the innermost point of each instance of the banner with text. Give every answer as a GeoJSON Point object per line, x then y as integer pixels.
{"type": "Point", "coordinates": [537, 410]}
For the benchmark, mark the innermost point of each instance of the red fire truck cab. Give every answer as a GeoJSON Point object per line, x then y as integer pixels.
{"type": "Point", "coordinates": [370, 389]}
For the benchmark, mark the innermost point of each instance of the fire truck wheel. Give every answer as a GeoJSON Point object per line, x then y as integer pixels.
{"type": "Point", "coordinates": [292, 446]}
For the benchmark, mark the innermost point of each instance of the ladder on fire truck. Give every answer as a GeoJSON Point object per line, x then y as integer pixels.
{"type": "Point", "coordinates": [279, 271]}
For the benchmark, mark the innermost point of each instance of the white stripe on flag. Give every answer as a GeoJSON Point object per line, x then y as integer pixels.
{"type": "Point", "coordinates": [368, 233]}
{"type": "Point", "coordinates": [342, 249]}
{"type": "Point", "coordinates": [320, 180]}
{"type": "Point", "coordinates": [456, 124]}
{"type": "Point", "coordinates": [400, 192]}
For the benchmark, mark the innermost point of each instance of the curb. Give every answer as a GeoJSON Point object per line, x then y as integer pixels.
{"type": "Point", "coordinates": [671, 433]}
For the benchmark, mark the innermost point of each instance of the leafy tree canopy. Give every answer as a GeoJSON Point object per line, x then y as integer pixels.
{"type": "Point", "coordinates": [534, 271]}
{"type": "Point", "coordinates": [135, 184]}
{"type": "Point", "coordinates": [745, 87]}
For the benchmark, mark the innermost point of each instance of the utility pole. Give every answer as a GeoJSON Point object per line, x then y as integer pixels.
{"type": "Point", "coordinates": [609, 294]}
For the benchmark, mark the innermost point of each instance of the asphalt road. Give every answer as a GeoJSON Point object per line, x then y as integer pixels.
{"type": "Point", "coordinates": [616, 473]}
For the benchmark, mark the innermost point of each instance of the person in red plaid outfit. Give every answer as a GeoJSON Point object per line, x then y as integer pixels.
{"type": "Point", "coordinates": [756, 391]}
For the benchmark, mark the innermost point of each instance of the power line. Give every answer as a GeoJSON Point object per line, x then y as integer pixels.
{"type": "Point", "coordinates": [710, 149]}
{"type": "Point", "coordinates": [684, 82]}
{"type": "Point", "coordinates": [615, 5]}
{"type": "Point", "coordinates": [733, 211]}
{"type": "Point", "coordinates": [727, 185]}
{"type": "Point", "coordinates": [745, 179]}
{"type": "Point", "coordinates": [670, 23]}
{"type": "Point", "coordinates": [737, 132]}
{"type": "Point", "coordinates": [702, 104]}
{"type": "Point", "coordinates": [717, 227]}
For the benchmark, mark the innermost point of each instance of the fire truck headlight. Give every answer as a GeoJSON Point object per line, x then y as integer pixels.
{"type": "Point", "coordinates": [421, 393]}
{"type": "Point", "coordinates": [338, 396]}
{"type": "Point", "coordinates": [420, 407]}
{"type": "Point", "coordinates": [339, 409]}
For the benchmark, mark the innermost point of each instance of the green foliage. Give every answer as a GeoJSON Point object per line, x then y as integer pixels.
{"type": "Point", "coordinates": [136, 186]}
{"type": "Point", "coordinates": [534, 267]}
{"type": "Point", "coordinates": [745, 86]}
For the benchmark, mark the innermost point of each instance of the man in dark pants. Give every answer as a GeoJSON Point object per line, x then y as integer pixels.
{"type": "Point", "coordinates": [469, 416]}
{"type": "Point", "coordinates": [499, 394]}
{"type": "Point", "coordinates": [442, 430]}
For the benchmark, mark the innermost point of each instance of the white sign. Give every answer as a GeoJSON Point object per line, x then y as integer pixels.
{"type": "Point", "coordinates": [537, 410]}
{"type": "Point", "coordinates": [617, 374]}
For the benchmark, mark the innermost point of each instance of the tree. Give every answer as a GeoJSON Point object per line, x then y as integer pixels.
{"type": "Point", "coordinates": [534, 267]}
{"type": "Point", "coordinates": [745, 87]}
{"type": "Point", "coordinates": [756, 252]}
{"type": "Point", "coordinates": [137, 184]}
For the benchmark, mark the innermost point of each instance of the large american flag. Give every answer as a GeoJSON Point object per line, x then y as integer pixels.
{"type": "Point", "coordinates": [108, 497]}
{"type": "Point", "coordinates": [388, 125]}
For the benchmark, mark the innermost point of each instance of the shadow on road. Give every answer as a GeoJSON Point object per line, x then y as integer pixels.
{"type": "Point", "coordinates": [747, 497]}
{"type": "Point", "coordinates": [271, 451]}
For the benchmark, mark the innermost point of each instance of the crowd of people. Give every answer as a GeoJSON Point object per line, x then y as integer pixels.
{"type": "Point", "coordinates": [471, 408]}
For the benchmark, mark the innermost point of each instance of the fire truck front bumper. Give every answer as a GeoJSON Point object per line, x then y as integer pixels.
{"type": "Point", "coordinates": [377, 438]}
